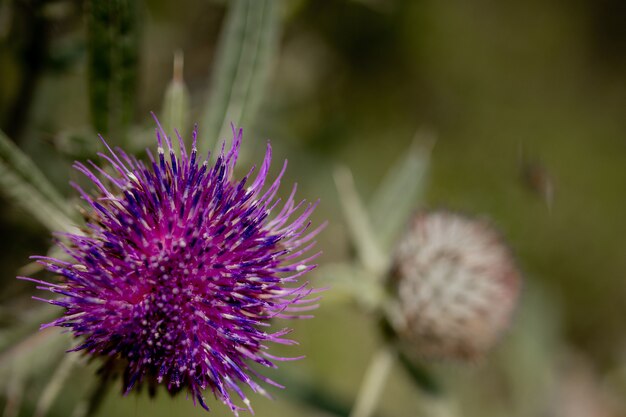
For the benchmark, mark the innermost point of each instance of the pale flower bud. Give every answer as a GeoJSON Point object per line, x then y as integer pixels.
{"type": "Point", "coordinates": [455, 284]}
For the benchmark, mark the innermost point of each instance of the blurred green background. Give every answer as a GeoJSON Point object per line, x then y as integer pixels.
{"type": "Point", "coordinates": [528, 103]}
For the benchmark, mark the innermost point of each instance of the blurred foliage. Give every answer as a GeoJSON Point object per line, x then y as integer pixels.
{"type": "Point", "coordinates": [527, 100]}
{"type": "Point", "coordinates": [113, 45]}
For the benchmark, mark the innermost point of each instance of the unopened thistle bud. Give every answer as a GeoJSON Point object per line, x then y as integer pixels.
{"type": "Point", "coordinates": [456, 286]}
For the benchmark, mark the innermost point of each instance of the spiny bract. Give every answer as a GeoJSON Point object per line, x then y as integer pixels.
{"type": "Point", "coordinates": [180, 269]}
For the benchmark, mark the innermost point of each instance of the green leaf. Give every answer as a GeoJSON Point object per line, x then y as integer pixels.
{"type": "Point", "coordinates": [359, 224]}
{"type": "Point", "coordinates": [33, 201]}
{"type": "Point", "coordinates": [23, 323]}
{"type": "Point", "coordinates": [14, 158]}
{"type": "Point", "coordinates": [350, 282]}
{"type": "Point", "coordinates": [21, 180]}
{"type": "Point", "coordinates": [33, 354]}
{"type": "Point", "coordinates": [90, 406]}
{"type": "Point", "coordinates": [55, 384]}
{"type": "Point", "coordinates": [248, 44]}
{"type": "Point", "coordinates": [396, 196]}
{"type": "Point", "coordinates": [528, 355]}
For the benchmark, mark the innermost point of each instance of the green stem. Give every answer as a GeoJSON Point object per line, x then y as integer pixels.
{"type": "Point", "coordinates": [420, 376]}
{"type": "Point", "coordinates": [314, 396]}
{"type": "Point", "coordinates": [374, 382]}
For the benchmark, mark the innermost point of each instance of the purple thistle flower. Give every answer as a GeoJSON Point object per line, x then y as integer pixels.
{"type": "Point", "coordinates": [181, 268]}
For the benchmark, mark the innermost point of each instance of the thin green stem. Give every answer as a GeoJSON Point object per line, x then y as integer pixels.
{"type": "Point", "coordinates": [374, 382]}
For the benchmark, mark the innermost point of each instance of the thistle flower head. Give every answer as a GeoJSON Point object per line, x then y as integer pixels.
{"type": "Point", "coordinates": [456, 286]}
{"type": "Point", "coordinates": [180, 269]}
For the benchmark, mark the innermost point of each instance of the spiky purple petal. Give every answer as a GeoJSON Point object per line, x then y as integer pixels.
{"type": "Point", "coordinates": [181, 267]}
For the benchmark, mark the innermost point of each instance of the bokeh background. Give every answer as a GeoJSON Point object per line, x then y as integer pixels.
{"type": "Point", "coordinates": [528, 104]}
